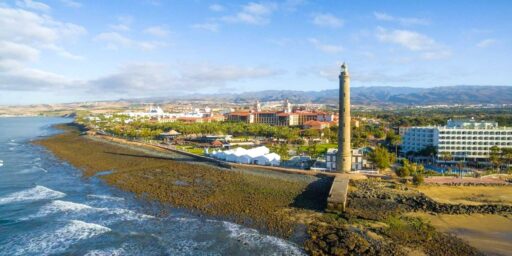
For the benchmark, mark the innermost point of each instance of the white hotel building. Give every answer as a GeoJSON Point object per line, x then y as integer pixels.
{"type": "Point", "coordinates": [464, 140]}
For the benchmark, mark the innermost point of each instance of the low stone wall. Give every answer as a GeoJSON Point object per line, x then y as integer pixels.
{"type": "Point", "coordinates": [464, 181]}
{"type": "Point", "coordinates": [416, 201]}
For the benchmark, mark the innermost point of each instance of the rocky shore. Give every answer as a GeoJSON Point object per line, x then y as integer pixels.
{"type": "Point", "coordinates": [415, 201]}
{"type": "Point", "coordinates": [275, 203]}
{"type": "Point", "coordinates": [286, 205]}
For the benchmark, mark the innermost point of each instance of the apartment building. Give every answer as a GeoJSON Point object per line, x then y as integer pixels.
{"type": "Point", "coordinates": [462, 139]}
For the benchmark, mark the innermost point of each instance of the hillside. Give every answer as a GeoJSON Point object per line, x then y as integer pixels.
{"type": "Point", "coordinates": [383, 95]}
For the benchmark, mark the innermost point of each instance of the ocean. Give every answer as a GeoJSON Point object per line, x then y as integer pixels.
{"type": "Point", "coordinates": [48, 208]}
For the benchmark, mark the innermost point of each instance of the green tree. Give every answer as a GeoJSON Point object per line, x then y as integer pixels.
{"type": "Point", "coordinates": [495, 157]}
{"type": "Point", "coordinates": [394, 140]}
{"type": "Point", "coordinates": [282, 150]}
{"type": "Point", "coordinates": [506, 155]}
{"type": "Point", "coordinates": [446, 156]}
{"type": "Point", "coordinates": [409, 168]}
{"type": "Point", "coordinates": [381, 157]}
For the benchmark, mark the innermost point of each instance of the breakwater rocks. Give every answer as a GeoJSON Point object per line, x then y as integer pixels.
{"type": "Point", "coordinates": [400, 199]}
{"type": "Point", "coordinates": [336, 239]}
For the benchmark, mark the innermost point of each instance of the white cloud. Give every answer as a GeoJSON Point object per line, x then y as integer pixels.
{"type": "Point", "coordinates": [160, 31]}
{"type": "Point", "coordinates": [30, 79]}
{"type": "Point", "coordinates": [414, 41]}
{"type": "Point", "coordinates": [486, 43]}
{"type": "Point", "coordinates": [62, 52]}
{"type": "Point", "coordinates": [209, 26]}
{"type": "Point", "coordinates": [327, 20]}
{"type": "Point", "coordinates": [115, 41]}
{"type": "Point", "coordinates": [409, 39]}
{"type": "Point", "coordinates": [404, 21]}
{"type": "Point", "coordinates": [29, 4]}
{"type": "Point", "coordinates": [71, 3]}
{"type": "Point", "coordinates": [29, 27]}
{"type": "Point", "coordinates": [224, 73]}
{"type": "Point", "coordinates": [327, 48]}
{"type": "Point", "coordinates": [17, 52]}
{"type": "Point", "coordinates": [24, 35]}
{"type": "Point", "coordinates": [149, 78]}
{"type": "Point", "coordinates": [123, 24]}
{"type": "Point", "coordinates": [436, 54]}
{"type": "Point", "coordinates": [216, 7]}
{"type": "Point", "coordinates": [292, 5]}
{"type": "Point", "coordinates": [253, 13]}
{"type": "Point", "coordinates": [332, 72]}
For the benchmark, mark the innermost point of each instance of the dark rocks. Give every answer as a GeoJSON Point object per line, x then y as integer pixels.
{"type": "Point", "coordinates": [342, 240]}
{"type": "Point", "coordinates": [416, 201]}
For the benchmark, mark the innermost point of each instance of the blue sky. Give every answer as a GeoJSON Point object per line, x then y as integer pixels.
{"type": "Point", "coordinates": [76, 50]}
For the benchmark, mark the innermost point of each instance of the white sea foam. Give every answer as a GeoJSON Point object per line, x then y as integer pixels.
{"type": "Point", "coordinates": [252, 238]}
{"type": "Point", "coordinates": [77, 210]}
{"type": "Point", "coordinates": [105, 197]}
{"type": "Point", "coordinates": [183, 219]}
{"type": "Point", "coordinates": [1, 163]}
{"type": "Point", "coordinates": [58, 241]}
{"type": "Point", "coordinates": [126, 249]}
{"type": "Point", "coordinates": [32, 194]}
{"type": "Point", "coordinates": [32, 170]}
{"type": "Point", "coordinates": [107, 252]}
{"type": "Point", "coordinates": [189, 247]}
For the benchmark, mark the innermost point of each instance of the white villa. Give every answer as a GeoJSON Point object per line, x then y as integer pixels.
{"type": "Point", "coordinates": [259, 155]}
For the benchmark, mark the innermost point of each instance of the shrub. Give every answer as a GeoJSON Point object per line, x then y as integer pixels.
{"type": "Point", "coordinates": [418, 179]}
{"type": "Point", "coordinates": [403, 172]}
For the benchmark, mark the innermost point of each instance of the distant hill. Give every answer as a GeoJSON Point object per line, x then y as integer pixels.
{"type": "Point", "coordinates": [376, 95]}
{"type": "Point", "coordinates": [380, 95]}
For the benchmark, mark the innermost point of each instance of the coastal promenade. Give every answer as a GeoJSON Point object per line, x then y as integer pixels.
{"type": "Point", "coordinates": [162, 147]}
{"type": "Point", "coordinates": [336, 199]}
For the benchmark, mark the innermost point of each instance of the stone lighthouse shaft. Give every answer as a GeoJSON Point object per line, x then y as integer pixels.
{"type": "Point", "coordinates": [344, 158]}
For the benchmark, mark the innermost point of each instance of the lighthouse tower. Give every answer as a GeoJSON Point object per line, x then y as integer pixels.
{"type": "Point", "coordinates": [344, 157]}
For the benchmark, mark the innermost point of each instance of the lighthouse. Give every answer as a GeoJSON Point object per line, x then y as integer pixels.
{"type": "Point", "coordinates": [344, 157]}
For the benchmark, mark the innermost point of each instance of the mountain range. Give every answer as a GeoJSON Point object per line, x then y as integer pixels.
{"type": "Point", "coordinates": [377, 95]}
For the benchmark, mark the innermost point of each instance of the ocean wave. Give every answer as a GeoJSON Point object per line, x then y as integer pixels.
{"type": "Point", "coordinates": [44, 243]}
{"type": "Point", "coordinates": [32, 194]}
{"type": "Point", "coordinates": [107, 252]}
{"type": "Point", "coordinates": [105, 197]}
{"type": "Point", "coordinates": [184, 219]}
{"type": "Point", "coordinates": [126, 249]}
{"type": "Point", "coordinates": [189, 247]}
{"type": "Point", "coordinates": [1, 163]}
{"type": "Point", "coordinates": [32, 170]}
{"type": "Point", "coordinates": [252, 238]}
{"type": "Point", "coordinates": [77, 210]}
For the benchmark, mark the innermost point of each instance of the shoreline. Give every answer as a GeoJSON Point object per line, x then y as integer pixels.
{"type": "Point", "coordinates": [254, 198]}
{"type": "Point", "coordinates": [289, 206]}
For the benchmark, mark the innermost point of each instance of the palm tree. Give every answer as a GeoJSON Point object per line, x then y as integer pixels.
{"type": "Point", "coordinates": [495, 156]}
{"type": "Point", "coordinates": [396, 140]}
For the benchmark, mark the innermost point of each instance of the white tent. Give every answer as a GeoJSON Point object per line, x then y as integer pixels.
{"type": "Point", "coordinates": [267, 159]}
{"type": "Point", "coordinates": [245, 159]}
{"type": "Point", "coordinates": [235, 154]}
{"type": "Point", "coordinates": [259, 155]}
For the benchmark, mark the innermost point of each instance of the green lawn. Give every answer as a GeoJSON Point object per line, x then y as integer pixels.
{"type": "Point", "coordinates": [320, 148]}
{"type": "Point", "coordinates": [190, 149]}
